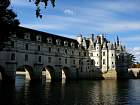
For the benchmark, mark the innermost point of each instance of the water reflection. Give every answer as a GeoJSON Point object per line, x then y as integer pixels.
{"type": "Point", "coordinates": [103, 92]}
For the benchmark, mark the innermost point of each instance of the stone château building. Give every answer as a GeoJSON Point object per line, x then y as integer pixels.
{"type": "Point", "coordinates": [36, 51]}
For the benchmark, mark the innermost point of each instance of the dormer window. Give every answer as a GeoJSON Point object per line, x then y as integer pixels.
{"type": "Point", "coordinates": [38, 38]}
{"type": "Point", "coordinates": [13, 35]}
{"type": "Point", "coordinates": [72, 44]}
{"type": "Point", "coordinates": [58, 42]}
{"type": "Point", "coordinates": [49, 40]}
{"type": "Point", "coordinates": [27, 36]}
{"type": "Point", "coordinates": [65, 43]}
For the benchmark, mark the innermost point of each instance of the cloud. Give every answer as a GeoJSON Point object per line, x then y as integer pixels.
{"type": "Point", "coordinates": [24, 3]}
{"type": "Point", "coordinates": [136, 52]}
{"type": "Point", "coordinates": [119, 6]}
{"type": "Point", "coordinates": [68, 12]}
{"type": "Point", "coordinates": [44, 26]}
{"type": "Point", "coordinates": [131, 38]}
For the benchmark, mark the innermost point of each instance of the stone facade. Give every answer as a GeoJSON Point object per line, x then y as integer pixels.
{"type": "Point", "coordinates": [36, 51]}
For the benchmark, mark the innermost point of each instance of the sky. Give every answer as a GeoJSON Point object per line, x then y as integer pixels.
{"type": "Point", "coordinates": [72, 17]}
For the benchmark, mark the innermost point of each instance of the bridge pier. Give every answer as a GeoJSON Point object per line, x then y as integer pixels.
{"type": "Point", "coordinates": [10, 71]}
{"type": "Point", "coordinates": [58, 74]}
{"type": "Point", "coordinates": [37, 72]}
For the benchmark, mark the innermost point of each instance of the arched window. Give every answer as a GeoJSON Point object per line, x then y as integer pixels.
{"type": "Point", "coordinates": [49, 59]}
{"type": "Point", "coordinates": [38, 47]}
{"type": "Point", "coordinates": [12, 44]}
{"type": "Point", "coordinates": [39, 59]}
{"type": "Point", "coordinates": [103, 61]}
{"type": "Point", "coordinates": [65, 61]}
{"type": "Point", "coordinates": [38, 38]}
{"type": "Point", "coordinates": [27, 47]}
{"type": "Point", "coordinates": [26, 57]}
{"type": "Point", "coordinates": [103, 53]}
{"type": "Point", "coordinates": [13, 56]}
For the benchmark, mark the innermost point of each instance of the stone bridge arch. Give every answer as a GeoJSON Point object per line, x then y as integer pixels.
{"type": "Point", "coordinates": [28, 69]}
{"type": "Point", "coordinates": [49, 72]}
{"type": "Point", "coordinates": [2, 73]}
{"type": "Point", "coordinates": [66, 73]}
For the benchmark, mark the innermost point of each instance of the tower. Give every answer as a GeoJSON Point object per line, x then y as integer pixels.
{"type": "Point", "coordinates": [98, 53]}
{"type": "Point", "coordinates": [84, 43]}
{"type": "Point", "coordinates": [79, 39]}
{"type": "Point", "coordinates": [104, 58]}
{"type": "Point", "coordinates": [111, 56]}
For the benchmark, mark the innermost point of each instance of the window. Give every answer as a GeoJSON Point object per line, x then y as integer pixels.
{"type": "Point", "coordinates": [103, 61]}
{"type": "Point", "coordinates": [49, 40]}
{"type": "Point", "coordinates": [79, 53]}
{"type": "Point", "coordinates": [91, 54]}
{"type": "Point", "coordinates": [49, 59]}
{"type": "Point", "coordinates": [12, 44]}
{"type": "Point", "coordinates": [26, 57]}
{"type": "Point", "coordinates": [97, 63]}
{"type": "Point", "coordinates": [38, 38]}
{"type": "Point", "coordinates": [66, 51]}
{"type": "Point", "coordinates": [58, 42]}
{"type": "Point", "coordinates": [97, 54]}
{"type": "Point", "coordinates": [73, 61]}
{"type": "Point", "coordinates": [72, 44]}
{"type": "Point", "coordinates": [65, 61]}
{"type": "Point", "coordinates": [112, 55]}
{"type": "Point", "coordinates": [112, 62]}
{"type": "Point", "coordinates": [38, 47]}
{"type": "Point", "coordinates": [50, 49]}
{"type": "Point", "coordinates": [72, 52]}
{"type": "Point", "coordinates": [81, 69]}
{"type": "Point", "coordinates": [58, 49]}
{"type": "Point", "coordinates": [27, 36]}
{"type": "Point", "coordinates": [92, 62]}
{"type": "Point", "coordinates": [12, 56]}
{"type": "Point", "coordinates": [85, 53]}
{"type": "Point", "coordinates": [59, 60]}
{"type": "Point", "coordinates": [27, 47]}
{"type": "Point", "coordinates": [39, 59]}
{"type": "Point", "coordinates": [65, 43]}
{"type": "Point", "coordinates": [79, 62]}
{"type": "Point", "coordinates": [103, 53]}
{"type": "Point", "coordinates": [97, 47]}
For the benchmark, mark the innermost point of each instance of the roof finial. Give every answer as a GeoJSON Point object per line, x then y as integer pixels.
{"type": "Point", "coordinates": [118, 40]}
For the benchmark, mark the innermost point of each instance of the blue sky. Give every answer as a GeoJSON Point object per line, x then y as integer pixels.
{"type": "Point", "coordinates": [72, 17]}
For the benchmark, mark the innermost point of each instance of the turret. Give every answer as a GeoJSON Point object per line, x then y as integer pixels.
{"type": "Point", "coordinates": [104, 57]}
{"type": "Point", "coordinates": [111, 56]}
{"type": "Point", "coordinates": [79, 39]}
{"type": "Point", "coordinates": [102, 39]}
{"type": "Point", "coordinates": [118, 42]}
{"type": "Point", "coordinates": [84, 43]}
{"type": "Point", "coordinates": [104, 46]}
{"type": "Point", "coordinates": [91, 40]}
{"type": "Point", "coordinates": [98, 52]}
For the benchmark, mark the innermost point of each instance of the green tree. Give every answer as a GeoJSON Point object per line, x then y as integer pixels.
{"type": "Point", "coordinates": [130, 60]}
{"type": "Point", "coordinates": [8, 21]}
{"type": "Point", "coordinates": [45, 2]}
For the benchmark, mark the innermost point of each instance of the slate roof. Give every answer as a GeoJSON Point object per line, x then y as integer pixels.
{"type": "Point", "coordinates": [20, 33]}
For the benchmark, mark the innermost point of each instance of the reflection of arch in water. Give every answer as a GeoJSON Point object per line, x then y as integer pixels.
{"type": "Point", "coordinates": [66, 73]}
{"type": "Point", "coordinates": [27, 70]}
{"type": "Point", "coordinates": [2, 72]}
{"type": "Point", "coordinates": [49, 72]}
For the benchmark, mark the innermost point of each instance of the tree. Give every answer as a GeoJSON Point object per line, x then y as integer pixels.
{"type": "Point", "coordinates": [8, 21]}
{"type": "Point", "coordinates": [130, 60]}
{"type": "Point", "coordinates": [45, 2]}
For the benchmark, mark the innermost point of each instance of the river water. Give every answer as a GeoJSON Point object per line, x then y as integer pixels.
{"type": "Point", "coordinates": [99, 92]}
